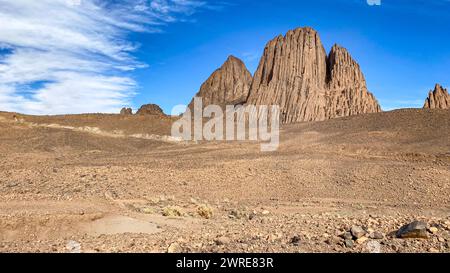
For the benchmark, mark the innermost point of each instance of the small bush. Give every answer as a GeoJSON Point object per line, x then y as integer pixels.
{"type": "Point", "coordinates": [205, 211]}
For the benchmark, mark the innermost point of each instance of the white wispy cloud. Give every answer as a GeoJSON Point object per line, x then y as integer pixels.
{"type": "Point", "coordinates": [73, 56]}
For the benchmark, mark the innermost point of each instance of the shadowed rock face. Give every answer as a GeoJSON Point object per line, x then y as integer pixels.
{"type": "Point", "coordinates": [229, 84]}
{"type": "Point", "coordinates": [438, 99]}
{"type": "Point", "coordinates": [150, 109]}
{"type": "Point", "coordinates": [296, 74]}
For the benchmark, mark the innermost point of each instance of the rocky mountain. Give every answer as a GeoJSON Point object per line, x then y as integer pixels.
{"type": "Point", "coordinates": [229, 84]}
{"type": "Point", "coordinates": [438, 98]}
{"type": "Point", "coordinates": [150, 109]}
{"type": "Point", "coordinates": [126, 111]}
{"type": "Point", "coordinates": [296, 73]}
{"type": "Point", "coordinates": [346, 93]}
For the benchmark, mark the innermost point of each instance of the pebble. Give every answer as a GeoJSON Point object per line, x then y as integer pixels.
{"type": "Point", "coordinates": [376, 235]}
{"type": "Point", "coordinates": [361, 240]}
{"type": "Point", "coordinates": [347, 236]}
{"type": "Point", "coordinates": [333, 240]}
{"type": "Point", "coordinates": [357, 232]}
{"type": "Point", "coordinates": [73, 247]}
{"type": "Point", "coordinates": [348, 243]}
{"type": "Point", "coordinates": [433, 230]}
{"type": "Point", "coordinates": [174, 248]}
{"type": "Point", "coordinates": [222, 241]}
{"type": "Point", "coordinates": [433, 250]}
{"type": "Point", "coordinates": [295, 240]}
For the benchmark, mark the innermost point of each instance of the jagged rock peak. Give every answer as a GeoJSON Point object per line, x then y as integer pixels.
{"type": "Point", "coordinates": [343, 70]}
{"type": "Point", "coordinates": [299, 53]}
{"type": "Point", "coordinates": [347, 92]}
{"type": "Point", "coordinates": [126, 111]}
{"type": "Point", "coordinates": [296, 74]}
{"type": "Point", "coordinates": [439, 98]}
{"type": "Point", "coordinates": [229, 84]}
{"type": "Point", "coordinates": [292, 74]}
{"type": "Point", "coordinates": [150, 109]}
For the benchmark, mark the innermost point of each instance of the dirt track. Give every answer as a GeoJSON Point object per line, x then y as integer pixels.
{"type": "Point", "coordinates": [60, 184]}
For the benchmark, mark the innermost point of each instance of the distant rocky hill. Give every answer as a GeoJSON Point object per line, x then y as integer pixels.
{"type": "Point", "coordinates": [126, 111]}
{"type": "Point", "coordinates": [296, 74]}
{"type": "Point", "coordinates": [150, 109]}
{"type": "Point", "coordinates": [438, 98]}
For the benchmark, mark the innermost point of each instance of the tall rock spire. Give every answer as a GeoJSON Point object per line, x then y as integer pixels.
{"type": "Point", "coordinates": [439, 98]}
{"type": "Point", "coordinates": [347, 92]}
{"type": "Point", "coordinates": [292, 74]}
{"type": "Point", "coordinates": [296, 74]}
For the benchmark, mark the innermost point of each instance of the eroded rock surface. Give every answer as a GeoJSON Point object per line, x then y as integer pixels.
{"type": "Point", "coordinates": [439, 98]}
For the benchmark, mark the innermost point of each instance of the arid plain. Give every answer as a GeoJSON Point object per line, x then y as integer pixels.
{"type": "Point", "coordinates": [109, 183]}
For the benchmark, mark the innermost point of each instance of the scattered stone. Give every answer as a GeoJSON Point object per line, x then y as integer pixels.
{"type": "Point", "coordinates": [265, 212]}
{"type": "Point", "coordinates": [433, 230]}
{"type": "Point", "coordinates": [251, 216]}
{"type": "Point", "coordinates": [433, 250]}
{"type": "Point", "coordinates": [295, 240]}
{"type": "Point", "coordinates": [174, 248]}
{"type": "Point", "coordinates": [361, 240]}
{"type": "Point", "coordinates": [73, 247]}
{"type": "Point", "coordinates": [347, 236]}
{"type": "Point", "coordinates": [357, 232]}
{"type": "Point", "coordinates": [376, 235]}
{"type": "Point", "coordinates": [416, 229]}
{"type": "Point", "coordinates": [373, 247]}
{"type": "Point", "coordinates": [235, 214]}
{"type": "Point", "coordinates": [348, 243]}
{"type": "Point", "coordinates": [333, 240]}
{"type": "Point", "coordinates": [222, 241]}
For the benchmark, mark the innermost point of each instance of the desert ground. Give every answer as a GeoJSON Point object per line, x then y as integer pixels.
{"type": "Point", "coordinates": [112, 183]}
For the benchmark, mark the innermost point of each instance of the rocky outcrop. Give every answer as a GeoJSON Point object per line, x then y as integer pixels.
{"type": "Point", "coordinates": [296, 74]}
{"type": "Point", "coordinates": [150, 109]}
{"type": "Point", "coordinates": [438, 99]}
{"type": "Point", "coordinates": [292, 74]}
{"type": "Point", "coordinates": [126, 111]}
{"type": "Point", "coordinates": [228, 85]}
{"type": "Point", "coordinates": [346, 93]}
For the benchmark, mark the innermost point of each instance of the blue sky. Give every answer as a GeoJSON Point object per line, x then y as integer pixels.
{"type": "Point", "coordinates": [133, 52]}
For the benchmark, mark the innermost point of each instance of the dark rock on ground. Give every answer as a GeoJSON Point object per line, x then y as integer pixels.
{"type": "Point", "coordinates": [416, 229]}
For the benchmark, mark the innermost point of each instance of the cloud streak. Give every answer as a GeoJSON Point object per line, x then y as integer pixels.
{"type": "Point", "coordinates": [73, 56]}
